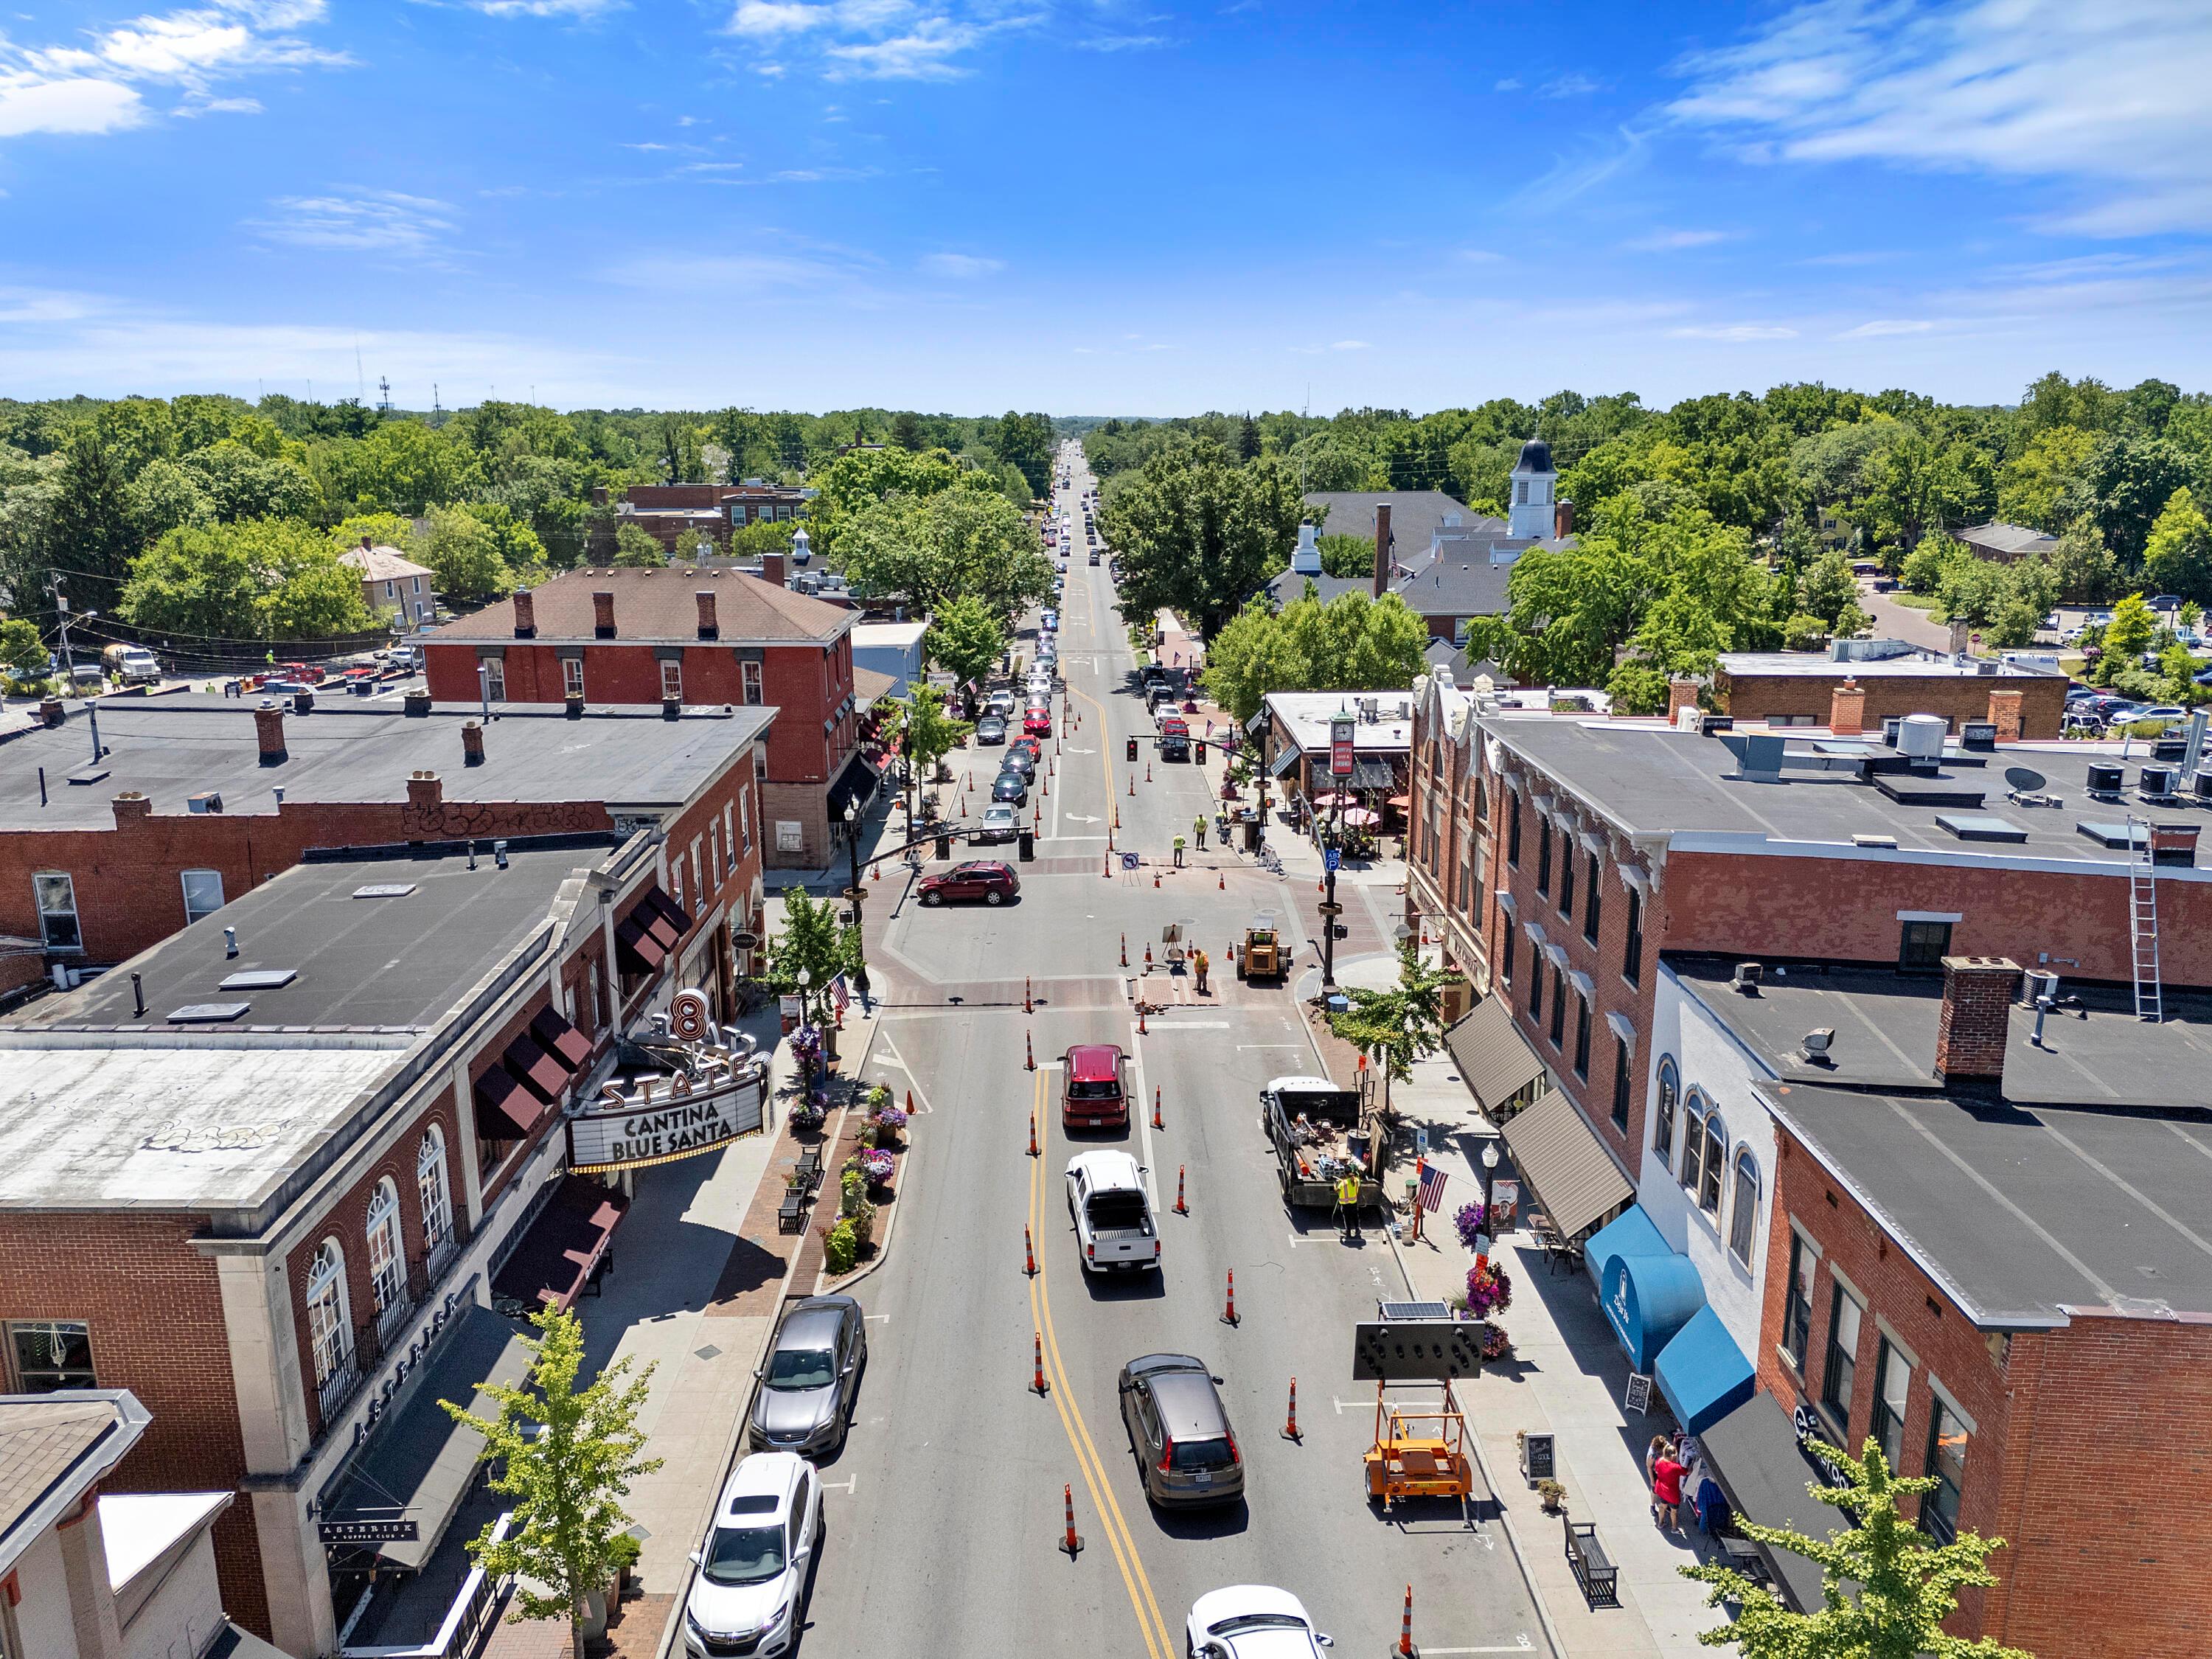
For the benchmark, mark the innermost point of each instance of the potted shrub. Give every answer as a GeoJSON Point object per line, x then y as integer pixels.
{"type": "Point", "coordinates": [877, 1166]}
{"type": "Point", "coordinates": [1553, 1495]}
{"type": "Point", "coordinates": [622, 1550]}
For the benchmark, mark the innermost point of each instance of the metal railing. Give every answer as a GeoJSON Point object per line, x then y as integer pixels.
{"type": "Point", "coordinates": [474, 1610]}
{"type": "Point", "coordinates": [336, 1392]}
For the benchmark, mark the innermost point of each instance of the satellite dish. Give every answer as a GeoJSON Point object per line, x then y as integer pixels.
{"type": "Point", "coordinates": [2024, 778]}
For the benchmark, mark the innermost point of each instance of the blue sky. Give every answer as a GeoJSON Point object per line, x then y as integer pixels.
{"type": "Point", "coordinates": [1095, 206]}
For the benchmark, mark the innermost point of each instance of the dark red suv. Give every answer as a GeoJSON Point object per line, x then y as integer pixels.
{"type": "Point", "coordinates": [980, 879]}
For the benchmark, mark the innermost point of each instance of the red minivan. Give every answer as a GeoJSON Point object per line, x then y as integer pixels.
{"type": "Point", "coordinates": [1095, 1093]}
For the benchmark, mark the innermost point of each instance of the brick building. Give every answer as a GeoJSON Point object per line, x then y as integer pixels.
{"type": "Point", "coordinates": [265, 1173]}
{"type": "Point", "coordinates": [681, 516]}
{"type": "Point", "coordinates": [684, 638]}
{"type": "Point", "coordinates": [193, 801]}
{"type": "Point", "coordinates": [1867, 682]}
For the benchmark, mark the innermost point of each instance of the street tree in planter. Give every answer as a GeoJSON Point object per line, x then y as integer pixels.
{"type": "Point", "coordinates": [1396, 1028]}
{"type": "Point", "coordinates": [1904, 1583]}
{"type": "Point", "coordinates": [566, 1457]}
{"type": "Point", "coordinates": [813, 940]}
{"type": "Point", "coordinates": [924, 732]}
{"type": "Point", "coordinates": [965, 640]}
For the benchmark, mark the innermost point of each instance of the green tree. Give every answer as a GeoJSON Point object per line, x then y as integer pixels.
{"type": "Point", "coordinates": [1829, 588]}
{"type": "Point", "coordinates": [2036, 485]}
{"type": "Point", "coordinates": [266, 578]}
{"type": "Point", "coordinates": [1922, 569]}
{"type": "Point", "coordinates": [566, 1457]}
{"type": "Point", "coordinates": [907, 432]}
{"type": "Point", "coordinates": [136, 432]}
{"type": "Point", "coordinates": [404, 466]}
{"type": "Point", "coordinates": [923, 553]}
{"type": "Point", "coordinates": [966, 638]}
{"type": "Point", "coordinates": [1971, 590]}
{"type": "Point", "coordinates": [637, 548]}
{"type": "Point", "coordinates": [2125, 484]}
{"type": "Point", "coordinates": [377, 529]}
{"type": "Point", "coordinates": [2084, 567]}
{"type": "Point", "coordinates": [23, 653]}
{"type": "Point", "coordinates": [1198, 534]}
{"type": "Point", "coordinates": [1903, 1584]}
{"type": "Point", "coordinates": [463, 554]}
{"type": "Point", "coordinates": [2124, 638]}
{"type": "Point", "coordinates": [512, 539]}
{"type": "Point", "coordinates": [243, 485]}
{"type": "Point", "coordinates": [2178, 558]}
{"type": "Point", "coordinates": [1251, 656]}
{"type": "Point", "coordinates": [811, 940]}
{"type": "Point", "coordinates": [762, 537]}
{"type": "Point", "coordinates": [1248, 439]}
{"type": "Point", "coordinates": [89, 530]}
{"type": "Point", "coordinates": [1397, 1027]}
{"type": "Point", "coordinates": [923, 731]}
{"type": "Point", "coordinates": [1025, 441]}
{"type": "Point", "coordinates": [1352, 643]}
{"type": "Point", "coordinates": [165, 496]}
{"type": "Point", "coordinates": [1347, 557]}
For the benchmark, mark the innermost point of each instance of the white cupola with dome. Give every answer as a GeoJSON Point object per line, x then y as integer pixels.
{"type": "Point", "coordinates": [1528, 513]}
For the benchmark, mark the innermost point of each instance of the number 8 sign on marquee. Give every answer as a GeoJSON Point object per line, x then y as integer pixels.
{"type": "Point", "coordinates": [689, 1015]}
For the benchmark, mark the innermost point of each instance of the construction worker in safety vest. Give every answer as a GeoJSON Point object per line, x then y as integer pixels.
{"type": "Point", "coordinates": [1198, 966]}
{"type": "Point", "coordinates": [1347, 1205]}
{"type": "Point", "coordinates": [1198, 826]}
{"type": "Point", "coordinates": [1178, 851]}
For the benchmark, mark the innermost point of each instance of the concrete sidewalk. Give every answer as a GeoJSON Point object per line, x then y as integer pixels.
{"type": "Point", "coordinates": [1567, 1376]}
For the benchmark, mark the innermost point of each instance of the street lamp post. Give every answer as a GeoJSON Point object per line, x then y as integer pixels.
{"type": "Point", "coordinates": [1489, 1170]}
{"type": "Point", "coordinates": [857, 894]}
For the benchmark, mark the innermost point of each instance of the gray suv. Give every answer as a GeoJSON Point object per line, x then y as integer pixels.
{"type": "Point", "coordinates": [804, 1403]}
{"type": "Point", "coordinates": [1180, 1431]}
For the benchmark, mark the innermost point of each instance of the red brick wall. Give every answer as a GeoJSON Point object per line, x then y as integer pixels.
{"type": "Point", "coordinates": [156, 1312]}
{"type": "Point", "coordinates": [2091, 1446]}
{"type": "Point", "coordinates": [1956, 698]}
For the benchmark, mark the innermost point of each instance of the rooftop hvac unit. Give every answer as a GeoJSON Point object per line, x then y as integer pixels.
{"type": "Point", "coordinates": [1746, 977]}
{"type": "Point", "coordinates": [2105, 778]}
{"type": "Point", "coordinates": [208, 801]}
{"type": "Point", "coordinates": [2156, 780]}
{"type": "Point", "coordinates": [2204, 786]}
{"type": "Point", "coordinates": [1889, 725]}
{"type": "Point", "coordinates": [2041, 988]}
{"type": "Point", "coordinates": [1920, 737]}
{"type": "Point", "coordinates": [1817, 1042]}
{"type": "Point", "coordinates": [1977, 734]}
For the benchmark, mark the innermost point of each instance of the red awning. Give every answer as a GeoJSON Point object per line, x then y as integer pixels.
{"type": "Point", "coordinates": [555, 1259]}
{"type": "Point", "coordinates": [534, 1069]}
{"type": "Point", "coordinates": [639, 951]}
{"type": "Point", "coordinates": [561, 1040]}
{"type": "Point", "coordinates": [505, 1110]}
{"type": "Point", "coordinates": [674, 914]}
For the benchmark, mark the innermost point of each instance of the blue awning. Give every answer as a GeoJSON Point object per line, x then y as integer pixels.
{"type": "Point", "coordinates": [1629, 1233]}
{"type": "Point", "coordinates": [1702, 1372]}
{"type": "Point", "coordinates": [1649, 1299]}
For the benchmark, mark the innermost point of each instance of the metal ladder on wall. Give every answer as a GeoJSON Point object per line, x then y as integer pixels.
{"type": "Point", "coordinates": [2142, 920]}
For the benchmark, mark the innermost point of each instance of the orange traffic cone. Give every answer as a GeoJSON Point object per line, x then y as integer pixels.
{"type": "Point", "coordinates": [1405, 1630]}
{"type": "Point", "coordinates": [1229, 1312]}
{"type": "Point", "coordinates": [1133, 787]}
{"type": "Point", "coordinates": [1220, 882]}
{"type": "Point", "coordinates": [1026, 1007]}
{"type": "Point", "coordinates": [1148, 956]}
{"type": "Point", "coordinates": [1181, 1208]}
{"type": "Point", "coordinates": [1290, 1428]}
{"type": "Point", "coordinates": [1033, 1146]}
{"type": "Point", "coordinates": [1156, 875]}
{"type": "Point", "coordinates": [1070, 1545]}
{"type": "Point", "coordinates": [1157, 1123]}
{"type": "Point", "coordinates": [1148, 771]}
{"type": "Point", "coordinates": [1140, 1019]}
{"type": "Point", "coordinates": [1029, 1269]}
{"type": "Point", "coordinates": [1028, 1053]}
{"type": "Point", "coordinates": [1038, 1386]}
{"type": "Point", "coordinates": [1125, 950]}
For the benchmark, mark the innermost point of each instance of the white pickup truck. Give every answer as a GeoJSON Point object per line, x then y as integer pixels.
{"type": "Point", "coordinates": [1113, 1226]}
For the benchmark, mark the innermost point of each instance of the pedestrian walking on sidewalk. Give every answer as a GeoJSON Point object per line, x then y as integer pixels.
{"type": "Point", "coordinates": [1347, 1206]}
{"type": "Point", "coordinates": [1667, 1491]}
{"type": "Point", "coordinates": [1198, 830]}
{"type": "Point", "coordinates": [1198, 966]}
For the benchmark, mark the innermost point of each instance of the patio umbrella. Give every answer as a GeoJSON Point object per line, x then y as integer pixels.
{"type": "Point", "coordinates": [1402, 802]}
{"type": "Point", "coordinates": [1359, 817]}
{"type": "Point", "coordinates": [1333, 800]}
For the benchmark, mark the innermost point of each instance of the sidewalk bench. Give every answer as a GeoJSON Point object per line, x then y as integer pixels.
{"type": "Point", "coordinates": [810, 1165]}
{"type": "Point", "coordinates": [791, 1214]}
{"type": "Point", "coordinates": [1593, 1569]}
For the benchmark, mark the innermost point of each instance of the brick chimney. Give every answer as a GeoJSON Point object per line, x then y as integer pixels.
{"type": "Point", "coordinates": [599, 494]}
{"type": "Point", "coordinates": [526, 614]}
{"type": "Point", "coordinates": [51, 711]}
{"type": "Point", "coordinates": [424, 792]}
{"type": "Point", "coordinates": [708, 628]}
{"type": "Point", "coordinates": [1976, 1019]}
{"type": "Point", "coordinates": [602, 614]}
{"type": "Point", "coordinates": [772, 569]}
{"type": "Point", "coordinates": [1563, 518]}
{"type": "Point", "coordinates": [1382, 548]}
{"type": "Point", "coordinates": [269, 726]}
{"type": "Point", "coordinates": [2005, 713]}
{"type": "Point", "coordinates": [130, 806]}
{"type": "Point", "coordinates": [1847, 709]}
{"type": "Point", "coordinates": [472, 743]}
{"type": "Point", "coordinates": [1681, 695]}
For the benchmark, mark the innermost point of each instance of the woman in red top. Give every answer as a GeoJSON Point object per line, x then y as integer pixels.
{"type": "Point", "coordinates": [1667, 1490]}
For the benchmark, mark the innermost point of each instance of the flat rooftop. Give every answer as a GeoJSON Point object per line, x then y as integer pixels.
{"type": "Point", "coordinates": [2025, 1213]}
{"type": "Point", "coordinates": [1307, 715]}
{"type": "Point", "coordinates": [173, 748]}
{"type": "Point", "coordinates": [2094, 1051]}
{"type": "Point", "coordinates": [1918, 665]}
{"type": "Point", "coordinates": [1652, 781]}
{"type": "Point", "coordinates": [245, 1069]}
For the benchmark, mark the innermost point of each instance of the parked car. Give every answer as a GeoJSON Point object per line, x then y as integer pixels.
{"type": "Point", "coordinates": [1051, 620]}
{"type": "Point", "coordinates": [1002, 703]}
{"type": "Point", "coordinates": [1180, 1432]}
{"type": "Point", "coordinates": [1095, 1087]}
{"type": "Point", "coordinates": [1022, 761]}
{"type": "Point", "coordinates": [2167, 601]}
{"type": "Point", "coordinates": [1029, 746]}
{"type": "Point", "coordinates": [756, 1564]}
{"type": "Point", "coordinates": [1113, 1216]}
{"type": "Point", "coordinates": [986, 879]}
{"type": "Point", "coordinates": [1012, 788]}
{"type": "Point", "coordinates": [1252, 1621]}
{"type": "Point", "coordinates": [991, 728]}
{"type": "Point", "coordinates": [1000, 824]}
{"type": "Point", "coordinates": [301, 671]}
{"type": "Point", "coordinates": [1038, 722]}
{"type": "Point", "coordinates": [809, 1377]}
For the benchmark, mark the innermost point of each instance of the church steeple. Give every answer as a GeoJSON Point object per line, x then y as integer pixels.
{"type": "Point", "coordinates": [1530, 512]}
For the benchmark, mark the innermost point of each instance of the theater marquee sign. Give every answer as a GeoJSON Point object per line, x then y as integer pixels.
{"type": "Point", "coordinates": [663, 1120]}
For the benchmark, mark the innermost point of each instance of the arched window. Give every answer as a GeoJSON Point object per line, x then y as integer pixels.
{"type": "Point", "coordinates": [1662, 1116]}
{"type": "Point", "coordinates": [1694, 1108]}
{"type": "Point", "coordinates": [1743, 1219]}
{"type": "Point", "coordinates": [387, 1276]}
{"type": "Point", "coordinates": [430, 1190]}
{"type": "Point", "coordinates": [330, 1327]}
{"type": "Point", "coordinates": [1715, 1174]}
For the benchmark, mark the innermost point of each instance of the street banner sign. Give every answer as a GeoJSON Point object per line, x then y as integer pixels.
{"type": "Point", "coordinates": [1415, 1351]}
{"type": "Point", "coordinates": [1340, 732]}
{"type": "Point", "coordinates": [368, 1532]}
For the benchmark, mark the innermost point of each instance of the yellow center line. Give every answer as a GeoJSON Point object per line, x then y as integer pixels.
{"type": "Point", "coordinates": [1093, 1467]}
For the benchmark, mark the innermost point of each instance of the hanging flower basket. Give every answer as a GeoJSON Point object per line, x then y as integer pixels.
{"type": "Point", "coordinates": [877, 1166]}
{"type": "Point", "coordinates": [1469, 1219]}
{"type": "Point", "coordinates": [1489, 1289]}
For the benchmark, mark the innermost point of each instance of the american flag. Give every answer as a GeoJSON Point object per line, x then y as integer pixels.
{"type": "Point", "coordinates": [1432, 1188]}
{"type": "Point", "coordinates": [838, 994]}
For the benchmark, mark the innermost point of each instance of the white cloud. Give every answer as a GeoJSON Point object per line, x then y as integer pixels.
{"type": "Point", "coordinates": [1734, 331]}
{"type": "Point", "coordinates": [1509, 84]}
{"type": "Point", "coordinates": [579, 10]}
{"type": "Point", "coordinates": [923, 53]}
{"type": "Point", "coordinates": [1670, 241]}
{"type": "Point", "coordinates": [1882, 327]}
{"type": "Point", "coordinates": [1570, 85]}
{"type": "Point", "coordinates": [31, 305]}
{"type": "Point", "coordinates": [771, 17]}
{"type": "Point", "coordinates": [96, 85]}
{"type": "Point", "coordinates": [1122, 42]}
{"type": "Point", "coordinates": [2108, 98]}
{"type": "Point", "coordinates": [888, 40]}
{"type": "Point", "coordinates": [740, 275]}
{"type": "Point", "coordinates": [960, 267]}
{"type": "Point", "coordinates": [1350, 346]}
{"type": "Point", "coordinates": [361, 222]}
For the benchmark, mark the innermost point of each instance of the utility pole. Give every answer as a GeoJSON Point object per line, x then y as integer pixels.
{"type": "Point", "coordinates": [1342, 731]}
{"type": "Point", "coordinates": [62, 611]}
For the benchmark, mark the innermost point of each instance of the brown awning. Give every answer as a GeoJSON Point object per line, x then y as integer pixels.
{"type": "Point", "coordinates": [1560, 1156]}
{"type": "Point", "coordinates": [1494, 1060]}
{"type": "Point", "coordinates": [534, 1069]}
{"type": "Point", "coordinates": [636, 948]}
{"type": "Point", "coordinates": [505, 1110]}
{"type": "Point", "coordinates": [668, 910]}
{"type": "Point", "coordinates": [561, 1040]}
{"type": "Point", "coordinates": [563, 1248]}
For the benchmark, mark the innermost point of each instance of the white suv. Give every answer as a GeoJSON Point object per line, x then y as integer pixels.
{"type": "Point", "coordinates": [750, 1597]}
{"type": "Point", "coordinates": [1113, 1216]}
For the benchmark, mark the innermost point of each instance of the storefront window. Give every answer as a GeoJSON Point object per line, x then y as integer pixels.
{"type": "Point", "coordinates": [1946, 1462]}
{"type": "Point", "coordinates": [1892, 1377]}
{"type": "Point", "coordinates": [49, 1354]}
{"type": "Point", "coordinates": [1663, 1117]}
{"type": "Point", "coordinates": [1743, 1219]}
{"type": "Point", "coordinates": [1843, 1358]}
{"type": "Point", "coordinates": [1797, 1308]}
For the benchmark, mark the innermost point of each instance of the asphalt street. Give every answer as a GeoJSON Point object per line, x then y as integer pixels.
{"type": "Point", "coordinates": [945, 1508]}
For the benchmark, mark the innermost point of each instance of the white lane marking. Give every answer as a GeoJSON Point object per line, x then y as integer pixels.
{"type": "Point", "coordinates": [1189, 1025]}
{"type": "Point", "coordinates": [883, 1318]}
{"type": "Point", "coordinates": [850, 1481]}
{"type": "Point", "coordinates": [1144, 1110]}
{"type": "Point", "coordinates": [894, 1058]}
{"type": "Point", "coordinates": [1248, 1045]}
{"type": "Point", "coordinates": [1523, 1646]}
